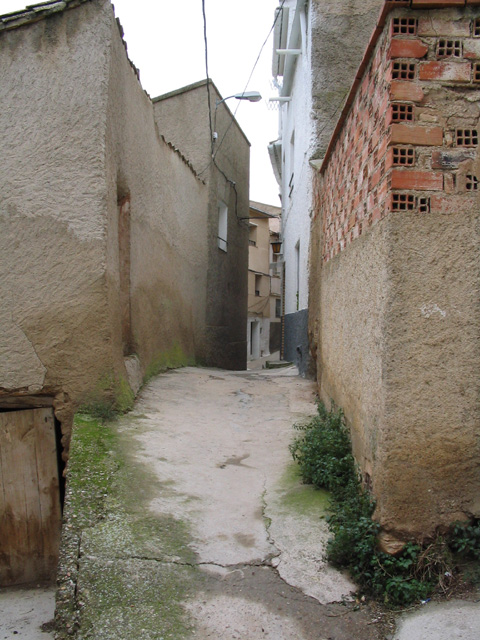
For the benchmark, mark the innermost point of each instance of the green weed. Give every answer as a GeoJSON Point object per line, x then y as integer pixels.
{"type": "Point", "coordinates": [323, 450]}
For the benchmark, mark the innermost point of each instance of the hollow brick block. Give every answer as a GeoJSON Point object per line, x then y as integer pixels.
{"type": "Point", "coordinates": [409, 91]}
{"type": "Point", "coordinates": [422, 180]}
{"type": "Point", "coordinates": [421, 136]}
{"type": "Point", "coordinates": [407, 49]}
{"type": "Point", "coordinates": [446, 71]}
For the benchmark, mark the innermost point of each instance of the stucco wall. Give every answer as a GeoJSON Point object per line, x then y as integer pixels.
{"type": "Point", "coordinates": [228, 181]}
{"type": "Point", "coordinates": [54, 311]}
{"type": "Point", "coordinates": [394, 310]}
{"type": "Point", "coordinates": [168, 211]}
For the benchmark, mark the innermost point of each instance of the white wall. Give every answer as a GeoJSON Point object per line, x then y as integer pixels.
{"type": "Point", "coordinates": [296, 131]}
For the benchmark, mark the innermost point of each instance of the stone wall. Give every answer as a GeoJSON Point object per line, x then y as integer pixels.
{"type": "Point", "coordinates": [394, 309]}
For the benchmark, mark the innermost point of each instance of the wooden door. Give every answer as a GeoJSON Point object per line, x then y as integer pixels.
{"type": "Point", "coordinates": [30, 514]}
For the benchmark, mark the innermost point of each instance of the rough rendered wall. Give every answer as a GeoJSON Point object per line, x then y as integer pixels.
{"type": "Point", "coordinates": [168, 212]}
{"type": "Point", "coordinates": [54, 311]}
{"type": "Point", "coordinates": [395, 313]}
{"type": "Point", "coordinates": [183, 118]}
{"type": "Point", "coordinates": [227, 285]}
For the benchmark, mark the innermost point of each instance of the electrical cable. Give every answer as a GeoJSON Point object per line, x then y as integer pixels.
{"type": "Point", "coordinates": [214, 152]}
{"type": "Point", "coordinates": [206, 71]}
{"type": "Point", "coordinates": [250, 76]}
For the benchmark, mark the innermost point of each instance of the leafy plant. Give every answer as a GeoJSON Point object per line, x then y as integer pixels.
{"type": "Point", "coordinates": [466, 538]}
{"type": "Point", "coordinates": [323, 451]}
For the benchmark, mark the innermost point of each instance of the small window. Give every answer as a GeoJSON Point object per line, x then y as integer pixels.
{"type": "Point", "coordinates": [222, 225]}
{"type": "Point", "coordinates": [258, 284]}
{"type": "Point", "coordinates": [252, 235]}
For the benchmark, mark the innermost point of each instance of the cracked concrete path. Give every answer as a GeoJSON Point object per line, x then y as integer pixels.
{"type": "Point", "coordinates": [218, 443]}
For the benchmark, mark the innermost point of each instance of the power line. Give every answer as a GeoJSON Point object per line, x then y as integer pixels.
{"type": "Point", "coordinates": [214, 153]}
{"type": "Point", "coordinates": [206, 71]}
{"type": "Point", "coordinates": [250, 76]}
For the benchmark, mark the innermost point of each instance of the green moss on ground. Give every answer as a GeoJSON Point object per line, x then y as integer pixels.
{"type": "Point", "coordinates": [135, 568]}
{"type": "Point", "coordinates": [111, 396]}
{"type": "Point", "coordinates": [301, 498]}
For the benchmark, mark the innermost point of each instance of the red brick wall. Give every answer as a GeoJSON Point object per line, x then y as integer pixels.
{"type": "Point", "coordinates": [410, 139]}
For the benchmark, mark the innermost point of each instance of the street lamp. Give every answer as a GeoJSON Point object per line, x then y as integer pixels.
{"type": "Point", "coordinates": [251, 96]}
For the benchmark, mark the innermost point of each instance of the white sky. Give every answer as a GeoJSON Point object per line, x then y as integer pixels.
{"type": "Point", "coordinates": [165, 42]}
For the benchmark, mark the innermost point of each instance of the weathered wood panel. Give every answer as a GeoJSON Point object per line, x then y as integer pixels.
{"type": "Point", "coordinates": [30, 514]}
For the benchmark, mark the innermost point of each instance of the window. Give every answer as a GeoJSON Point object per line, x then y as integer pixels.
{"type": "Point", "coordinates": [222, 225]}
{"type": "Point", "coordinates": [258, 284]}
{"type": "Point", "coordinates": [252, 235]}
{"type": "Point", "coordinates": [278, 308]}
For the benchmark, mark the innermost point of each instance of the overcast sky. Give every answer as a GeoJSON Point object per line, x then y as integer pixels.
{"type": "Point", "coordinates": [165, 41]}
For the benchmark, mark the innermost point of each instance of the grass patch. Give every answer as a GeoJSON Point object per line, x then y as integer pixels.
{"type": "Point", "coordinates": [323, 452]}
{"type": "Point", "coordinates": [136, 568]}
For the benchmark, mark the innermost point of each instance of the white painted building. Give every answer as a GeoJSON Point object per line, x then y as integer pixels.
{"type": "Point", "coordinates": [318, 45]}
{"type": "Point", "coordinates": [290, 156]}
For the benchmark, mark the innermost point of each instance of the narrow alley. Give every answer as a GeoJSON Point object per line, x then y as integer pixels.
{"type": "Point", "coordinates": [236, 550]}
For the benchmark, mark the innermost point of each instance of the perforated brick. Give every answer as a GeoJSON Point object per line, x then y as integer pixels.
{"type": "Point", "coordinates": [404, 26]}
{"type": "Point", "coordinates": [476, 28]}
{"type": "Point", "coordinates": [471, 183]}
{"type": "Point", "coordinates": [402, 112]}
{"type": "Point", "coordinates": [403, 202]}
{"type": "Point", "coordinates": [449, 48]}
{"type": "Point", "coordinates": [424, 205]}
{"type": "Point", "coordinates": [403, 70]}
{"type": "Point", "coordinates": [403, 156]}
{"type": "Point", "coordinates": [476, 72]}
{"type": "Point", "coordinates": [466, 137]}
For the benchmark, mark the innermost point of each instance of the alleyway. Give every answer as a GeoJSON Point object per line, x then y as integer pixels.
{"type": "Point", "coordinates": [218, 443]}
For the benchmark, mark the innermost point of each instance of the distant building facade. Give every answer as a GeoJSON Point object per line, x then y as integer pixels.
{"type": "Point", "coordinates": [264, 330]}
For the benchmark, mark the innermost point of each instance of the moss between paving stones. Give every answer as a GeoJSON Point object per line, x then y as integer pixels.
{"type": "Point", "coordinates": [124, 572]}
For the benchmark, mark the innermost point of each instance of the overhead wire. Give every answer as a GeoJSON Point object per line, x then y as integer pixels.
{"type": "Point", "coordinates": [216, 150]}
{"type": "Point", "coordinates": [250, 76]}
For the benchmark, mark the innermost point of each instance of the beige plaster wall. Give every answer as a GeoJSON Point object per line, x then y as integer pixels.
{"type": "Point", "coordinates": [54, 312]}
{"type": "Point", "coordinates": [398, 320]}
{"type": "Point", "coordinates": [349, 306]}
{"type": "Point", "coordinates": [168, 209]}
{"type": "Point", "coordinates": [182, 117]}
{"type": "Point", "coordinates": [428, 471]}
{"type": "Point", "coordinates": [78, 134]}
{"type": "Point", "coordinates": [337, 47]}
{"type": "Point", "coordinates": [259, 256]}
